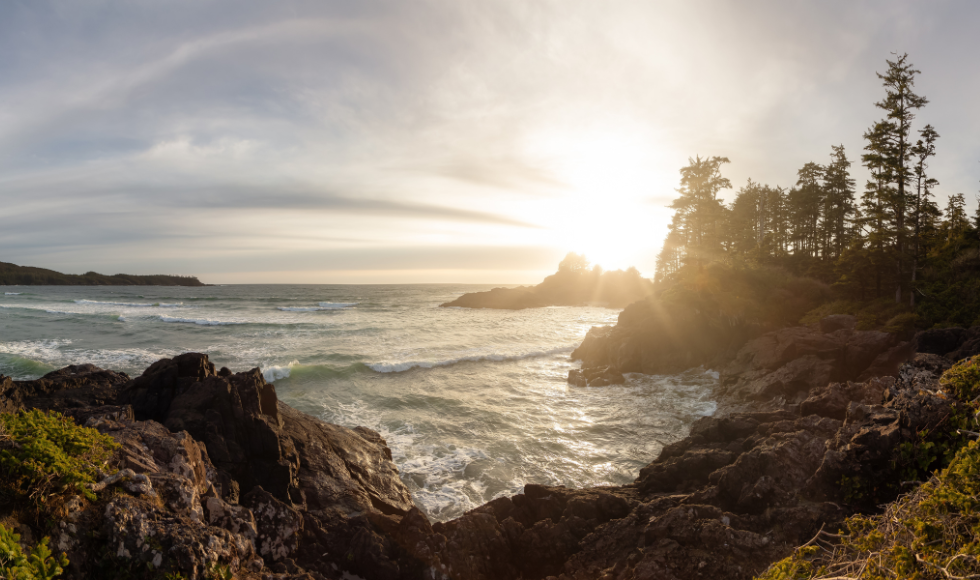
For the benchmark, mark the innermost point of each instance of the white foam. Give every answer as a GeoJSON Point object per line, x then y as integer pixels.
{"type": "Point", "coordinates": [129, 304]}
{"type": "Point", "coordinates": [333, 305]}
{"type": "Point", "coordinates": [174, 305]}
{"type": "Point", "coordinates": [275, 372]}
{"type": "Point", "coordinates": [54, 352]}
{"type": "Point", "coordinates": [122, 318]}
{"type": "Point", "coordinates": [398, 367]}
{"type": "Point", "coordinates": [200, 321]}
{"type": "Point", "coordinates": [12, 293]}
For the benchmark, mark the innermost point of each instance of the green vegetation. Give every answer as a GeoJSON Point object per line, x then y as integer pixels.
{"type": "Point", "coordinates": [892, 258]}
{"type": "Point", "coordinates": [47, 453]}
{"type": "Point", "coordinates": [36, 564]}
{"type": "Point", "coordinates": [732, 297]}
{"type": "Point", "coordinates": [12, 274]}
{"type": "Point", "coordinates": [218, 571]}
{"type": "Point", "coordinates": [931, 533]}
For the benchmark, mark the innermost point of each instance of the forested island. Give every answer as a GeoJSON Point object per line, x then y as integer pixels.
{"type": "Point", "coordinates": [14, 275]}
{"type": "Point", "coordinates": [575, 284]}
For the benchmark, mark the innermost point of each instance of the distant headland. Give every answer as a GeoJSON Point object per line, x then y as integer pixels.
{"type": "Point", "coordinates": [575, 284]}
{"type": "Point", "coordinates": [14, 275]}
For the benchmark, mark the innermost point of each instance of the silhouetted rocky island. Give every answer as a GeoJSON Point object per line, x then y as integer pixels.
{"type": "Point", "coordinates": [575, 284]}
{"type": "Point", "coordinates": [14, 275]}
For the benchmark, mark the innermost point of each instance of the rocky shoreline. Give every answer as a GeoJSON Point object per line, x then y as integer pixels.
{"type": "Point", "coordinates": [213, 470]}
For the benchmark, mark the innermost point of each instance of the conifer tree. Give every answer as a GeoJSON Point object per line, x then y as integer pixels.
{"type": "Point", "coordinates": [699, 212]}
{"type": "Point", "coordinates": [922, 210]}
{"type": "Point", "coordinates": [840, 211]}
{"type": "Point", "coordinates": [892, 146]}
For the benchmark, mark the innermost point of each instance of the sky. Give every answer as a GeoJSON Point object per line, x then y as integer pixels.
{"type": "Point", "coordinates": [405, 141]}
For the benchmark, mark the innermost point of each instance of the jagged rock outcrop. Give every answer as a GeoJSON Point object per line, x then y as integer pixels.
{"type": "Point", "coordinates": [227, 473]}
{"type": "Point", "coordinates": [653, 338]}
{"type": "Point", "coordinates": [789, 362]}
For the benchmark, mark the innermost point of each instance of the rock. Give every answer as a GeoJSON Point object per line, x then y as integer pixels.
{"type": "Point", "coordinates": [791, 362]}
{"type": "Point", "coordinates": [137, 531]}
{"type": "Point", "coordinates": [952, 343]}
{"type": "Point", "coordinates": [65, 390]}
{"type": "Point", "coordinates": [835, 322]}
{"type": "Point", "coordinates": [278, 525]}
{"type": "Point", "coordinates": [834, 399]}
{"type": "Point", "coordinates": [614, 289]}
{"type": "Point", "coordinates": [596, 377]}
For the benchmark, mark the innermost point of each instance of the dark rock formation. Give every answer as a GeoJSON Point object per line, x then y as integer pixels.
{"type": "Point", "coordinates": [652, 338]}
{"type": "Point", "coordinates": [789, 362]}
{"type": "Point", "coordinates": [595, 377]}
{"type": "Point", "coordinates": [614, 289]}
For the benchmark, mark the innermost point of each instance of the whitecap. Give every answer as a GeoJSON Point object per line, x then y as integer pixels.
{"type": "Point", "coordinates": [12, 293]}
{"type": "Point", "coordinates": [200, 321]}
{"type": "Point", "coordinates": [56, 353]}
{"type": "Point", "coordinates": [129, 304]}
{"type": "Point", "coordinates": [275, 372]}
{"type": "Point", "coordinates": [398, 367]}
{"type": "Point", "coordinates": [334, 305]}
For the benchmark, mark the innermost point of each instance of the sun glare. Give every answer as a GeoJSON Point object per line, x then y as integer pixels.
{"type": "Point", "coordinates": [606, 213]}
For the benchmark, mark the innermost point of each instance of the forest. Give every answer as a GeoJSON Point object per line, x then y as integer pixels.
{"type": "Point", "coordinates": [892, 245]}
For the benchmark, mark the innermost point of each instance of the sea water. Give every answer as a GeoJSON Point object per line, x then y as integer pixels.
{"type": "Point", "coordinates": [474, 403]}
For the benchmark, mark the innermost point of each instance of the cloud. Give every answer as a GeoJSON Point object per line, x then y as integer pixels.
{"type": "Point", "coordinates": [432, 119]}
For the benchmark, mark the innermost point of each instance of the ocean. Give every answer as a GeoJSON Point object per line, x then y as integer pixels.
{"type": "Point", "coordinates": [473, 403]}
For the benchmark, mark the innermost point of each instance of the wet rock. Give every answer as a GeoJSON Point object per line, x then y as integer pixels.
{"type": "Point", "coordinates": [596, 377]}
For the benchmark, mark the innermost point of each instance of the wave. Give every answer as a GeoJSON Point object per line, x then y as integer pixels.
{"type": "Point", "coordinates": [130, 304]}
{"type": "Point", "coordinates": [12, 293]}
{"type": "Point", "coordinates": [200, 321]}
{"type": "Point", "coordinates": [405, 366]}
{"type": "Point", "coordinates": [30, 359]}
{"type": "Point", "coordinates": [335, 305]}
{"type": "Point", "coordinates": [133, 304]}
{"type": "Point", "coordinates": [275, 372]}
{"type": "Point", "coordinates": [321, 371]}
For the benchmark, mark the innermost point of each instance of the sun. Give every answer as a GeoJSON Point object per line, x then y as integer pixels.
{"type": "Point", "coordinates": [605, 210]}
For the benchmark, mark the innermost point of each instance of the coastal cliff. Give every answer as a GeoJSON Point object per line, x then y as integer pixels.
{"type": "Point", "coordinates": [210, 473]}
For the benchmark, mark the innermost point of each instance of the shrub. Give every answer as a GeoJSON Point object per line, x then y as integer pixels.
{"type": "Point", "coordinates": [48, 453]}
{"type": "Point", "coordinates": [36, 564]}
{"type": "Point", "coordinates": [963, 379]}
{"type": "Point", "coordinates": [904, 323]}
{"type": "Point", "coordinates": [933, 532]}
